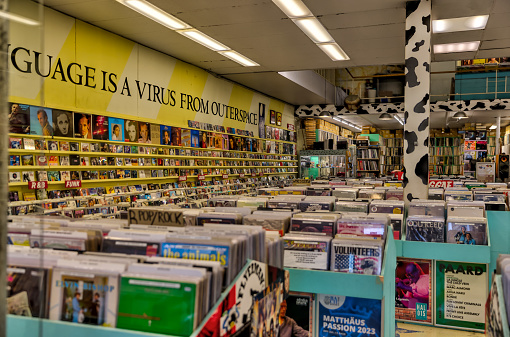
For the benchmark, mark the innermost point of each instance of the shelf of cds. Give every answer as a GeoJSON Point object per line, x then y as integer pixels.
{"type": "Point", "coordinates": [446, 155]}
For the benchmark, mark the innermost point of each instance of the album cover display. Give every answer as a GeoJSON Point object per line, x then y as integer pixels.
{"type": "Point", "coordinates": [358, 257]}
{"type": "Point", "coordinates": [19, 118]}
{"type": "Point", "coordinates": [413, 290]}
{"type": "Point", "coordinates": [131, 131]}
{"type": "Point", "coordinates": [352, 206]}
{"type": "Point", "coordinates": [465, 230]}
{"type": "Point", "coordinates": [82, 126]}
{"type": "Point", "coordinates": [306, 251]}
{"type": "Point", "coordinates": [315, 223]}
{"type": "Point", "coordinates": [387, 206]}
{"type": "Point", "coordinates": [41, 121]}
{"type": "Point", "coordinates": [425, 228]}
{"type": "Point", "coordinates": [27, 291]}
{"type": "Point", "coordinates": [370, 226]}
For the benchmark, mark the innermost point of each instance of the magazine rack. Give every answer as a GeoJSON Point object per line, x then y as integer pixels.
{"type": "Point", "coordinates": [355, 285]}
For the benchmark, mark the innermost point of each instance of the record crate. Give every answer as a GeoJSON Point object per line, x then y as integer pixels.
{"type": "Point", "coordinates": [379, 287]}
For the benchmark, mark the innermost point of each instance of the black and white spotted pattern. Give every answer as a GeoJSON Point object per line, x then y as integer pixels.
{"type": "Point", "coordinates": [378, 108]}
{"type": "Point", "coordinates": [417, 100]}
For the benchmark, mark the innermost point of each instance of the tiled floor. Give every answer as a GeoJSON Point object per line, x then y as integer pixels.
{"type": "Point", "coordinates": [404, 330]}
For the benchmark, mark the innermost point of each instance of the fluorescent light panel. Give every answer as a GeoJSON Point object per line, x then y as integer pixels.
{"type": "Point", "coordinates": [456, 47]}
{"type": "Point", "coordinates": [203, 39]}
{"type": "Point", "coordinates": [347, 123]}
{"type": "Point", "coordinates": [160, 16]}
{"type": "Point", "coordinates": [293, 8]}
{"type": "Point", "coordinates": [308, 23]}
{"type": "Point", "coordinates": [18, 18]}
{"type": "Point", "coordinates": [492, 127]}
{"type": "Point", "coordinates": [155, 13]}
{"type": "Point", "coordinates": [334, 51]}
{"type": "Point", "coordinates": [314, 30]}
{"type": "Point", "coordinates": [398, 119]}
{"type": "Point", "coordinates": [235, 56]}
{"type": "Point", "coordinates": [460, 24]}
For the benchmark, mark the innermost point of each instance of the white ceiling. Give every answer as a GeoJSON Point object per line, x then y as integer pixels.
{"type": "Point", "coordinates": [371, 32]}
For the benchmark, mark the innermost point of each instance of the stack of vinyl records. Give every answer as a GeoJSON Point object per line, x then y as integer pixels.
{"type": "Point", "coordinates": [465, 209]}
{"type": "Point", "coordinates": [466, 230]}
{"type": "Point", "coordinates": [252, 202]}
{"type": "Point", "coordinates": [217, 217]}
{"type": "Point", "coordinates": [427, 207]}
{"type": "Point", "coordinates": [345, 193]}
{"type": "Point", "coordinates": [386, 206]}
{"type": "Point", "coordinates": [229, 201]}
{"type": "Point", "coordinates": [322, 224]}
{"type": "Point", "coordinates": [458, 194]}
{"type": "Point", "coordinates": [436, 194]}
{"type": "Point", "coordinates": [271, 221]}
{"type": "Point", "coordinates": [285, 201]}
{"type": "Point", "coordinates": [306, 251]}
{"type": "Point", "coordinates": [396, 193]}
{"type": "Point", "coordinates": [376, 193]}
{"type": "Point", "coordinates": [314, 204]}
{"type": "Point", "coordinates": [318, 191]}
{"type": "Point", "coordinates": [359, 244]}
{"type": "Point", "coordinates": [352, 206]}
{"type": "Point", "coordinates": [425, 228]}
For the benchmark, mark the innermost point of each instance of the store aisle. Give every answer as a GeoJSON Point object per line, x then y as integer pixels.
{"type": "Point", "coordinates": [404, 330]}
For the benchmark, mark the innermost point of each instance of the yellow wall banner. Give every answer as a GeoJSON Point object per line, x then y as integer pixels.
{"type": "Point", "coordinates": [82, 68]}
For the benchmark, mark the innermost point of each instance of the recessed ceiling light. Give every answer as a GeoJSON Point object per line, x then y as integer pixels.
{"type": "Point", "coordinates": [460, 24]}
{"type": "Point", "coordinates": [313, 28]}
{"type": "Point", "coordinates": [456, 47]}
{"type": "Point", "coordinates": [334, 51]}
{"type": "Point", "coordinates": [152, 12]}
{"type": "Point", "coordinates": [203, 39]}
{"type": "Point", "coordinates": [18, 18]}
{"type": "Point", "coordinates": [493, 126]}
{"type": "Point", "coordinates": [293, 8]}
{"type": "Point", "coordinates": [241, 59]}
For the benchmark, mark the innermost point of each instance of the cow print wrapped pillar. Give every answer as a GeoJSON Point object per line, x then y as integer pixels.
{"type": "Point", "coordinates": [417, 100]}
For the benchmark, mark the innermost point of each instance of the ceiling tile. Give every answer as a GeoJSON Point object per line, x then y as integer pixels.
{"type": "Point", "coordinates": [501, 52]}
{"type": "Point", "coordinates": [473, 35]}
{"type": "Point", "coordinates": [495, 44]}
{"type": "Point", "coordinates": [446, 9]}
{"type": "Point", "coordinates": [366, 18]}
{"type": "Point", "coordinates": [497, 33]}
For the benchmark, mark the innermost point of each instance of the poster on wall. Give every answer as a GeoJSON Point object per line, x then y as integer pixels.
{"type": "Point", "coordinates": [40, 121]}
{"type": "Point", "coordinates": [348, 316]}
{"type": "Point", "coordinates": [176, 136]}
{"type": "Point", "coordinates": [461, 290]}
{"type": "Point", "coordinates": [262, 120]}
{"type": "Point", "coordinates": [166, 132]}
{"type": "Point", "coordinates": [131, 131]}
{"type": "Point", "coordinates": [413, 290]}
{"type": "Point", "coordinates": [272, 116]}
{"type": "Point", "coordinates": [155, 134]}
{"type": "Point", "coordinates": [144, 132]}
{"type": "Point", "coordinates": [19, 118]}
{"type": "Point", "coordinates": [279, 118]}
{"type": "Point", "coordinates": [100, 128]}
{"type": "Point", "coordinates": [116, 129]}
{"type": "Point", "coordinates": [82, 126]}
{"type": "Point", "coordinates": [62, 123]}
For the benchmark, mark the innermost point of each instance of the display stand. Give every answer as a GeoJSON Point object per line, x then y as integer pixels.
{"type": "Point", "coordinates": [502, 308]}
{"type": "Point", "coordinates": [355, 285]}
{"type": "Point", "coordinates": [28, 326]}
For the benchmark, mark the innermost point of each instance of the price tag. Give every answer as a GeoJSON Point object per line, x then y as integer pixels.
{"type": "Point", "coordinates": [225, 176]}
{"type": "Point", "coordinates": [441, 183]}
{"type": "Point", "coordinates": [183, 178]}
{"type": "Point", "coordinates": [241, 175]}
{"type": "Point", "coordinates": [201, 177]}
{"type": "Point", "coordinates": [37, 185]}
{"type": "Point", "coordinates": [73, 183]}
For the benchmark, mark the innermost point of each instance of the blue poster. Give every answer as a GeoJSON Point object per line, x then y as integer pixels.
{"type": "Point", "coordinates": [348, 316]}
{"type": "Point", "coordinates": [116, 129]}
{"type": "Point", "coordinates": [194, 251]}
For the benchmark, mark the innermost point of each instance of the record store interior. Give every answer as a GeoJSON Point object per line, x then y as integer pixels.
{"type": "Point", "coordinates": [255, 168]}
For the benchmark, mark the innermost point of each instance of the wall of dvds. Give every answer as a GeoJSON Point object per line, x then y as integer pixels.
{"type": "Point", "coordinates": [124, 111]}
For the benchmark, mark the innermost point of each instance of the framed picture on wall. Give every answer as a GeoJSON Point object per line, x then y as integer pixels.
{"type": "Point", "coordinates": [272, 116]}
{"type": "Point", "coordinates": [279, 118]}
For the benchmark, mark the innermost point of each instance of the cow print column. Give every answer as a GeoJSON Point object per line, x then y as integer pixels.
{"type": "Point", "coordinates": [416, 102]}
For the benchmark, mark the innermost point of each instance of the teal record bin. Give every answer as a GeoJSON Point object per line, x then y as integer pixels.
{"type": "Point", "coordinates": [379, 287]}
